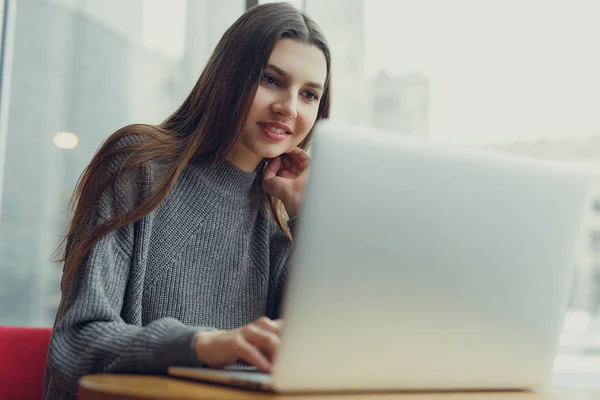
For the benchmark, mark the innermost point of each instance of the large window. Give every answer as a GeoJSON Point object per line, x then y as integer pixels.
{"type": "Point", "coordinates": [81, 70]}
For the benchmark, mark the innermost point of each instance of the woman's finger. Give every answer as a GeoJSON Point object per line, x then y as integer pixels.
{"type": "Point", "coordinates": [267, 342]}
{"type": "Point", "coordinates": [287, 163]}
{"type": "Point", "coordinates": [297, 151]}
{"type": "Point", "coordinates": [299, 158]}
{"type": "Point", "coordinates": [270, 325]}
{"type": "Point", "coordinates": [279, 323]}
{"type": "Point", "coordinates": [294, 159]}
{"type": "Point", "coordinates": [272, 168]}
{"type": "Point", "coordinates": [250, 354]}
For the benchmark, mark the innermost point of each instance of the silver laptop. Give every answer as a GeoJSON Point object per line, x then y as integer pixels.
{"type": "Point", "coordinates": [423, 266]}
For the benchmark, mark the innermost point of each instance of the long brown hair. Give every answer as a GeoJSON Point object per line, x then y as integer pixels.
{"type": "Point", "coordinates": [203, 130]}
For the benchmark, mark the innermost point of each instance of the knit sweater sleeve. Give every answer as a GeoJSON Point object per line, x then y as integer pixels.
{"type": "Point", "coordinates": [90, 335]}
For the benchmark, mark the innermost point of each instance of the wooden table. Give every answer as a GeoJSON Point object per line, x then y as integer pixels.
{"type": "Point", "coordinates": [128, 387]}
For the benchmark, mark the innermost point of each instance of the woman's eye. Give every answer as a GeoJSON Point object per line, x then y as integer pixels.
{"type": "Point", "coordinates": [269, 79]}
{"type": "Point", "coordinates": [311, 96]}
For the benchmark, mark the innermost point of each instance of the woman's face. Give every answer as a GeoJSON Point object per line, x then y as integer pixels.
{"type": "Point", "coordinates": [287, 100]}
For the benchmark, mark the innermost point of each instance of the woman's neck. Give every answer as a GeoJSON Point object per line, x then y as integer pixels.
{"type": "Point", "coordinates": [243, 158]}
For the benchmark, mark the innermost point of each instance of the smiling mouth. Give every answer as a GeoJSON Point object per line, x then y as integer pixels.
{"type": "Point", "coordinates": [274, 133]}
{"type": "Point", "coordinates": [278, 131]}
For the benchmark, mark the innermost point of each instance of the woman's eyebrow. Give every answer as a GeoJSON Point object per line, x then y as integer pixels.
{"type": "Point", "coordinates": [286, 75]}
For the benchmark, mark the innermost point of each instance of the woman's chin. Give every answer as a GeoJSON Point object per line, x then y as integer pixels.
{"type": "Point", "coordinates": [272, 152]}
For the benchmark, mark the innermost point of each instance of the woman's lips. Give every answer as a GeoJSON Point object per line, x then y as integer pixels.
{"type": "Point", "coordinates": [276, 136]}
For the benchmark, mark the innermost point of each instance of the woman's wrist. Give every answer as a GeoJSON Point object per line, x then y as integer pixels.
{"type": "Point", "coordinates": [202, 341]}
{"type": "Point", "coordinates": [292, 207]}
{"type": "Point", "coordinates": [292, 211]}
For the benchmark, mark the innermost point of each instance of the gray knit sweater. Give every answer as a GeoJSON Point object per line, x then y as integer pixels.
{"type": "Point", "coordinates": [205, 259]}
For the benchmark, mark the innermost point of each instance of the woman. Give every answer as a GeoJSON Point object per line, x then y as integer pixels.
{"type": "Point", "coordinates": [177, 251]}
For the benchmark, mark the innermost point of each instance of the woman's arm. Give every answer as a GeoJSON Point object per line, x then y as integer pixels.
{"type": "Point", "coordinates": [90, 335]}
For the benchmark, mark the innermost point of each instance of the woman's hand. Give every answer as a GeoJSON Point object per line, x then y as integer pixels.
{"type": "Point", "coordinates": [255, 343]}
{"type": "Point", "coordinates": [286, 177]}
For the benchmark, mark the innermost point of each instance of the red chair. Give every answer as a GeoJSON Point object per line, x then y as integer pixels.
{"type": "Point", "coordinates": [22, 361]}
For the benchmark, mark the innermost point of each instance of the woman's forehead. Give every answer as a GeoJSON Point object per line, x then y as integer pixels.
{"type": "Point", "coordinates": [300, 61]}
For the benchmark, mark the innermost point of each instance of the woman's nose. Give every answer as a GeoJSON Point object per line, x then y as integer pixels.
{"type": "Point", "coordinates": [286, 106]}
